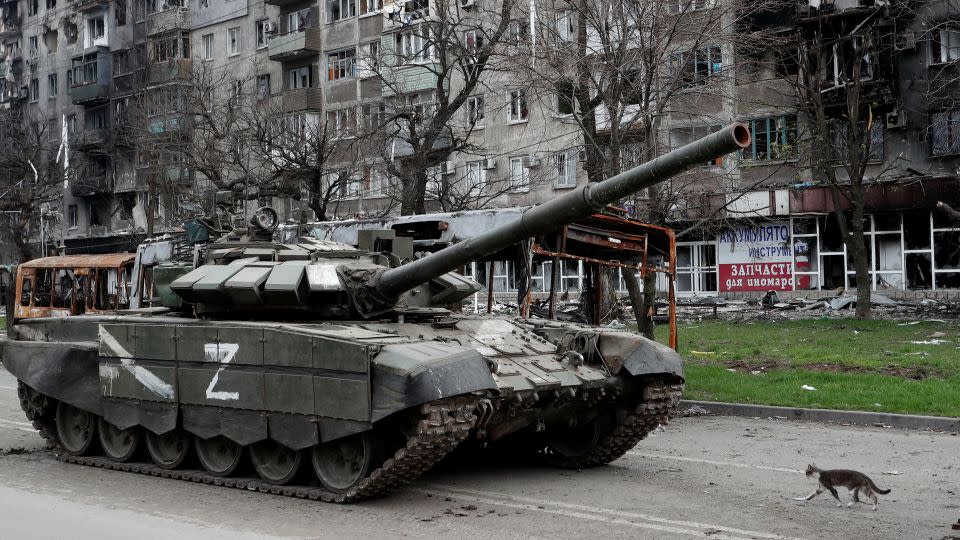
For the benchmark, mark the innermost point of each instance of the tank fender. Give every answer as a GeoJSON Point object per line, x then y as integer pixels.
{"type": "Point", "coordinates": [638, 355]}
{"type": "Point", "coordinates": [409, 374]}
{"type": "Point", "coordinates": [62, 370]}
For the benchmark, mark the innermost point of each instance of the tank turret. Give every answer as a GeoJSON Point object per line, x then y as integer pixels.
{"type": "Point", "coordinates": [338, 281]}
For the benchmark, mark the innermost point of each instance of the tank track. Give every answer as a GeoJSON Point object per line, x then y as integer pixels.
{"type": "Point", "coordinates": [443, 425]}
{"type": "Point", "coordinates": [659, 401]}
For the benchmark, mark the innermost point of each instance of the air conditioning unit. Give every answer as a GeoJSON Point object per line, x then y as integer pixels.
{"type": "Point", "coordinates": [467, 4]}
{"type": "Point", "coordinates": [896, 119]}
{"type": "Point", "coordinates": [531, 161]}
{"type": "Point", "coordinates": [489, 163]}
{"type": "Point", "coordinates": [582, 155]}
{"type": "Point", "coordinates": [448, 167]}
{"type": "Point", "coordinates": [905, 41]}
{"type": "Point", "coordinates": [270, 27]}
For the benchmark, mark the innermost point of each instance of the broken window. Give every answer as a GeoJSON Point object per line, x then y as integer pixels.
{"type": "Point", "coordinates": [945, 45]}
{"type": "Point", "coordinates": [945, 133]}
{"type": "Point", "coordinates": [565, 99]}
{"type": "Point", "coordinates": [696, 67]}
{"type": "Point", "coordinates": [773, 139]}
{"type": "Point", "coordinates": [840, 137]}
{"type": "Point", "coordinates": [916, 230]}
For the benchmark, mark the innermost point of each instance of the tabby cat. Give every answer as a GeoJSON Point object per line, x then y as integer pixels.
{"type": "Point", "coordinates": [856, 482]}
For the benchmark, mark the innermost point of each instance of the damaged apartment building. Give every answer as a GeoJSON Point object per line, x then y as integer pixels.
{"type": "Point", "coordinates": [782, 234]}
{"type": "Point", "coordinates": [116, 72]}
{"type": "Point", "coordinates": [111, 79]}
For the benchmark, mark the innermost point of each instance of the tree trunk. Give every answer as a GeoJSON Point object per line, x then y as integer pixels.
{"type": "Point", "coordinates": [413, 198]}
{"type": "Point", "coordinates": [861, 265]}
{"type": "Point", "coordinates": [649, 305]}
{"type": "Point", "coordinates": [21, 239]}
{"type": "Point", "coordinates": [636, 296]}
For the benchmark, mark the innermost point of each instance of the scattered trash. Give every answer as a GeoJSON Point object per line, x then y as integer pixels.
{"type": "Point", "coordinates": [894, 473]}
{"type": "Point", "coordinates": [807, 387]}
{"type": "Point", "coordinates": [877, 405]}
{"type": "Point", "coordinates": [937, 335]}
{"type": "Point", "coordinates": [702, 353]}
{"type": "Point", "coordinates": [909, 323]}
{"type": "Point", "coordinates": [930, 342]}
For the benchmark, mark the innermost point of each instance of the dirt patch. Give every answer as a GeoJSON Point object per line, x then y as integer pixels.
{"type": "Point", "coordinates": [915, 373]}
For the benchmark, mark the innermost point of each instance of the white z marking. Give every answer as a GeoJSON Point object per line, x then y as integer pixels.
{"type": "Point", "coordinates": [222, 353]}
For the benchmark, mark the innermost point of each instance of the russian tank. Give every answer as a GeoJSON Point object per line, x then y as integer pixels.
{"type": "Point", "coordinates": [322, 356]}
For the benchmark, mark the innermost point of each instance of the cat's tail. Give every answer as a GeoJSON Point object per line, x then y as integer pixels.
{"type": "Point", "coordinates": [876, 489]}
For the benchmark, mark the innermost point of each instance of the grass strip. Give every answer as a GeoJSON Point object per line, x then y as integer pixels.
{"type": "Point", "coordinates": [884, 366]}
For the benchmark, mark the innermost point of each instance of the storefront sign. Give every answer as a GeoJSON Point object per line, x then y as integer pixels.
{"type": "Point", "coordinates": [755, 258]}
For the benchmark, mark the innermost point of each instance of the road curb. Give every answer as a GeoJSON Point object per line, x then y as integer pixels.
{"type": "Point", "coordinates": [861, 418]}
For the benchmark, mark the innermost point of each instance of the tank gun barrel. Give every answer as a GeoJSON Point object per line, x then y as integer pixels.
{"type": "Point", "coordinates": [552, 215]}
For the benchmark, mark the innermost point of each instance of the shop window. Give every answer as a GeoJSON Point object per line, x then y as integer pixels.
{"type": "Point", "coordinates": [946, 250]}
{"type": "Point", "coordinates": [919, 271]}
{"type": "Point", "coordinates": [889, 257]}
{"type": "Point", "coordinates": [916, 230]}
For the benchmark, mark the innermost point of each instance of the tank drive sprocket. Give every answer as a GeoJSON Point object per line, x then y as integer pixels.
{"type": "Point", "coordinates": [660, 399]}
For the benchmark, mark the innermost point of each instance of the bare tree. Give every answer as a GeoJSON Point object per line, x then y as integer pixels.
{"type": "Point", "coordinates": [616, 69]}
{"type": "Point", "coordinates": [844, 67]}
{"type": "Point", "coordinates": [454, 47]}
{"type": "Point", "coordinates": [30, 176]}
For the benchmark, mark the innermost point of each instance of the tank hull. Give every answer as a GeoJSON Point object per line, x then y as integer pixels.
{"type": "Point", "coordinates": [307, 385]}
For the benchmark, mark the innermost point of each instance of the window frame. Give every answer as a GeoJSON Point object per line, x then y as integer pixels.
{"type": "Point", "coordinates": [518, 107]}
{"type": "Point", "coordinates": [234, 46]}
{"type": "Point", "coordinates": [474, 104]}
{"type": "Point", "coordinates": [263, 37]}
{"type": "Point", "coordinates": [207, 46]}
{"type": "Point", "coordinates": [516, 164]}
{"type": "Point", "coordinates": [565, 167]}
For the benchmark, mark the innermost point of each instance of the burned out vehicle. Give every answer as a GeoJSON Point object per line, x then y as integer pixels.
{"type": "Point", "coordinates": [333, 370]}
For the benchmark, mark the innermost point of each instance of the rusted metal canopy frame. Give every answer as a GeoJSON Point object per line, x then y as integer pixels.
{"type": "Point", "coordinates": [617, 239]}
{"type": "Point", "coordinates": [81, 266]}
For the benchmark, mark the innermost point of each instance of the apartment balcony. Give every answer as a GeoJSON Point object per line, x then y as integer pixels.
{"type": "Point", "coordinates": [295, 45]}
{"type": "Point", "coordinates": [177, 70]}
{"type": "Point", "coordinates": [89, 183]}
{"type": "Point", "coordinates": [87, 5]}
{"type": "Point", "coordinates": [282, 3]}
{"type": "Point", "coordinates": [92, 92]}
{"type": "Point", "coordinates": [177, 18]}
{"type": "Point", "coordinates": [302, 99]}
{"type": "Point", "coordinates": [11, 92]}
{"type": "Point", "coordinates": [9, 29]}
{"type": "Point", "coordinates": [90, 139]}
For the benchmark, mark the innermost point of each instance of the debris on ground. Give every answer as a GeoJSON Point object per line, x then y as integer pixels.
{"type": "Point", "coordinates": [694, 410]}
{"type": "Point", "coordinates": [807, 387]}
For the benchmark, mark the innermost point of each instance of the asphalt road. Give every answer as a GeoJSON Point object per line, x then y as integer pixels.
{"type": "Point", "coordinates": [703, 477]}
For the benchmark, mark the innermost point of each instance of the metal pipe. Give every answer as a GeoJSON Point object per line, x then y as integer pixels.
{"type": "Point", "coordinates": [555, 213]}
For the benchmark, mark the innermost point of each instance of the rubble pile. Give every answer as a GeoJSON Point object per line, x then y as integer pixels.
{"type": "Point", "coordinates": [771, 306]}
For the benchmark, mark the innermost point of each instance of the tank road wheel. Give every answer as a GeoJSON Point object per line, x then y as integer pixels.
{"type": "Point", "coordinates": [218, 455]}
{"type": "Point", "coordinates": [118, 444]}
{"type": "Point", "coordinates": [342, 464]}
{"type": "Point", "coordinates": [76, 429]}
{"type": "Point", "coordinates": [169, 450]}
{"type": "Point", "coordinates": [274, 462]}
